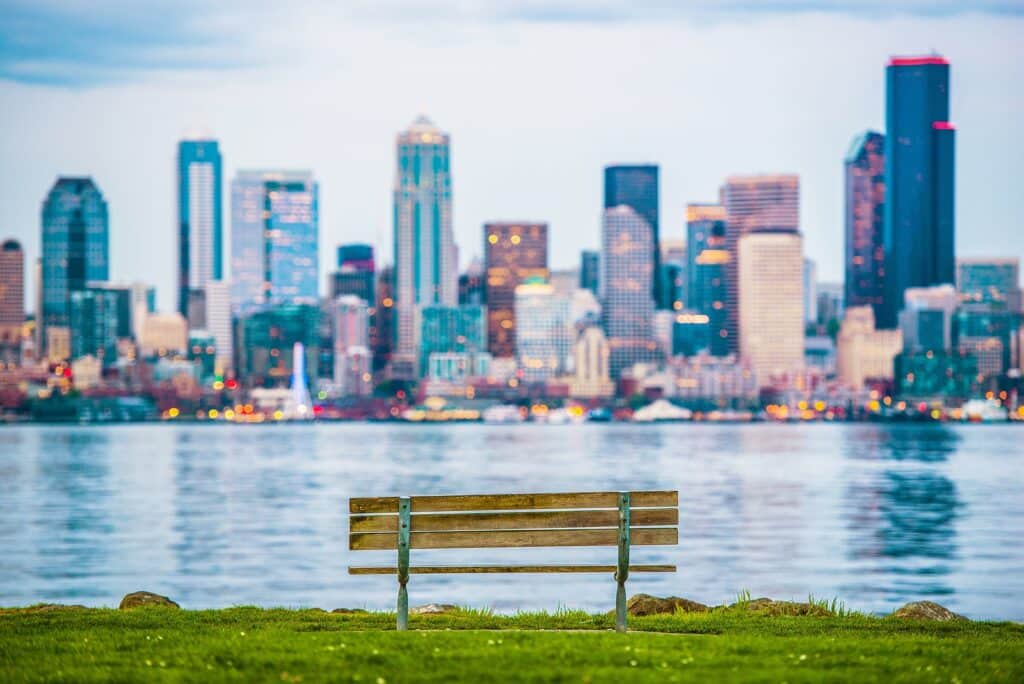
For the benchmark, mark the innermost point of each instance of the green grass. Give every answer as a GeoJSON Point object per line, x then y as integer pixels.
{"type": "Point", "coordinates": [252, 644]}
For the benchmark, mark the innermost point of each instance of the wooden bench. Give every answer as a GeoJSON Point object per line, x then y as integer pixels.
{"type": "Point", "coordinates": [621, 519]}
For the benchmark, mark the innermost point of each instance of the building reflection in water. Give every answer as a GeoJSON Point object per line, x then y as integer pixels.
{"type": "Point", "coordinates": [901, 510]}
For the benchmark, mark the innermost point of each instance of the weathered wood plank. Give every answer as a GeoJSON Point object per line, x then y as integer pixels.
{"type": "Point", "coordinates": [498, 502]}
{"type": "Point", "coordinates": [517, 520]}
{"type": "Point", "coordinates": [495, 569]}
{"type": "Point", "coordinates": [640, 536]}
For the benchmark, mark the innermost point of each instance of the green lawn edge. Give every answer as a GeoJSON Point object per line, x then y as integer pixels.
{"type": "Point", "coordinates": [50, 644]}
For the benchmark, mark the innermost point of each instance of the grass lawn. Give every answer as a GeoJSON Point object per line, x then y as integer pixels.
{"type": "Point", "coordinates": [252, 644]}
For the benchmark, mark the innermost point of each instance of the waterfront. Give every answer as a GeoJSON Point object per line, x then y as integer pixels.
{"type": "Point", "coordinates": [219, 515]}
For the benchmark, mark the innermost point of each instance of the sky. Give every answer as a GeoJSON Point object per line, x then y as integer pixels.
{"type": "Point", "coordinates": [537, 95]}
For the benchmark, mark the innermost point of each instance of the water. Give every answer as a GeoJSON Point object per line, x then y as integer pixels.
{"type": "Point", "coordinates": [217, 515]}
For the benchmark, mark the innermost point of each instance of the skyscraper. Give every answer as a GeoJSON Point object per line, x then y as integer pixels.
{"type": "Point", "coordinates": [707, 259]}
{"type": "Point", "coordinates": [994, 281]}
{"type": "Point", "coordinates": [274, 239]}
{"type": "Point", "coordinates": [513, 252]}
{"type": "Point", "coordinates": [75, 246]}
{"type": "Point", "coordinates": [351, 339]}
{"type": "Point", "coordinates": [626, 299]}
{"type": "Point", "coordinates": [12, 300]}
{"type": "Point", "coordinates": [218, 322]}
{"type": "Point", "coordinates": [590, 269]}
{"type": "Point", "coordinates": [918, 234]}
{"type": "Point", "coordinates": [200, 219]}
{"type": "Point", "coordinates": [447, 329]}
{"type": "Point", "coordinates": [424, 247]}
{"type": "Point", "coordinates": [12, 285]}
{"type": "Point", "coordinates": [636, 186]}
{"type": "Point", "coordinates": [544, 330]}
{"type": "Point", "coordinates": [356, 274]}
{"type": "Point", "coordinates": [771, 312]}
{"type": "Point", "coordinates": [770, 202]}
{"type": "Point", "coordinates": [865, 216]}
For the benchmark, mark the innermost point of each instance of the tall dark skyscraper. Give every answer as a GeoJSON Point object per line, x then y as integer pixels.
{"type": "Point", "coordinates": [865, 215]}
{"type": "Point", "coordinates": [918, 230]}
{"type": "Point", "coordinates": [12, 299]}
{"type": "Point", "coordinates": [356, 274]}
{"type": "Point", "coordinates": [590, 270]}
{"type": "Point", "coordinates": [513, 252]}
{"type": "Point", "coordinates": [707, 259]}
{"type": "Point", "coordinates": [637, 188]}
{"type": "Point", "coordinates": [75, 245]}
{"type": "Point", "coordinates": [200, 220]}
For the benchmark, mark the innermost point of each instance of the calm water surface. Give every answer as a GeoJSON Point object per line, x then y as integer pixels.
{"type": "Point", "coordinates": [223, 515]}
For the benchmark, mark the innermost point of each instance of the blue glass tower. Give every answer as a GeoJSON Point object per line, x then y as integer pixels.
{"type": "Point", "coordinates": [918, 232]}
{"type": "Point", "coordinates": [75, 245]}
{"type": "Point", "coordinates": [200, 223]}
{"type": "Point", "coordinates": [274, 239]}
{"type": "Point", "coordinates": [636, 187]}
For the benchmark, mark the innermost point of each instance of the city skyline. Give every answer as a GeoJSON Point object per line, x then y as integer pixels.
{"type": "Point", "coordinates": [351, 158]}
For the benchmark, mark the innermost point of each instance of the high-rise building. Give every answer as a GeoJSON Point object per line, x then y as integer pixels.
{"type": "Point", "coordinates": [200, 219]}
{"type": "Point", "coordinates": [994, 281]}
{"type": "Point", "coordinates": [865, 216]}
{"type": "Point", "coordinates": [355, 274]}
{"type": "Point", "coordinates": [752, 203]}
{"type": "Point", "coordinates": [771, 304]}
{"type": "Point", "coordinates": [926, 318]}
{"type": "Point", "coordinates": [591, 376]}
{"type": "Point", "coordinates": [707, 258]}
{"type": "Point", "coordinates": [95, 324]}
{"type": "Point", "coordinates": [626, 300]}
{"type": "Point", "coordinates": [446, 329]}
{"type": "Point", "coordinates": [135, 301]}
{"type": "Point", "coordinates": [513, 253]}
{"type": "Point", "coordinates": [863, 352]}
{"type": "Point", "coordinates": [590, 270]}
{"type": "Point", "coordinates": [544, 330]}
{"type": "Point", "coordinates": [12, 296]}
{"type": "Point", "coordinates": [75, 246]}
{"type": "Point", "coordinates": [810, 291]}
{"type": "Point", "coordinates": [267, 344]}
{"type": "Point", "coordinates": [918, 231]}
{"type": "Point", "coordinates": [219, 324]}
{"type": "Point", "coordinates": [274, 239]}
{"type": "Point", "coordinates": [382, 320]}
{"type": "Point", "coordinates": [351, 322]}
{"type": "Point", "coordinates": [471, 285]}
{"type": "Point", "coordinates": [426, 271]}
{"type": "Point", "coordinates": [636, 186]}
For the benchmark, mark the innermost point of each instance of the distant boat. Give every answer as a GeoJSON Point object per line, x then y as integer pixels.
{"type": "Point", "coordinates": [504, 413]}
{"type": "Point", "coordinates": [661, 411]}
{"type": "Point", "coordinates": [600, 415]}
{"type": "Point", "coordinates": [985, 411]}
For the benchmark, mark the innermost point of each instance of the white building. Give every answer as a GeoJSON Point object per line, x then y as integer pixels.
{"type": "Point", "coordinates": [864, 352]}
{"type": "Point", "coordinates": [771, 303]}
{"type": "Point", "coordinates": [351, 327]}
{"type": "Point", "coordinates": [163, 334]}
{"type": "Point", "coordinates": [591, 377]}
{"type": "Point", "coordinates": [543, 330]}
{"type": "Point", "coordinates": [218, 322]}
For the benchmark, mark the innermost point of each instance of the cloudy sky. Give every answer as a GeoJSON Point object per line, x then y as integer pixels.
{"type": "Point", "coordinates": [538, 96]}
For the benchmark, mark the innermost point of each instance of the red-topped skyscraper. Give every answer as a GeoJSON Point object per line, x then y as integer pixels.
{"type": "Point", "coordinates": [918, 234]}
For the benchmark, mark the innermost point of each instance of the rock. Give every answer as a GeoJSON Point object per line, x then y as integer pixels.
{"type": "Point", "coordinates": [645, 604]}
{"type": "Point", "coordinates": [773, 608]}
{"type": "Point", "coordinates": [347, 611]}
{"type": "Point", "coordinates": [433, 609]}
{"type": "Point", "coordinates": [50, 607]}
{"type": "Point", "coordinates": [926, 610]}
{"type": "Point", "coordinates": [145, 599]}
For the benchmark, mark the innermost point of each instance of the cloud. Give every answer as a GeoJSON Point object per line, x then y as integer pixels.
{"type": "Point", "coordinates": [83, 43]}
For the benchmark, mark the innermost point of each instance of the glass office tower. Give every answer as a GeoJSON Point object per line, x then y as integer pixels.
{"type": "Point", "coordinates": [865, 215]}
{"type": "Point", "coordinates": [636, 186]}
{"type": "Point", "coordinates": [200, 222]}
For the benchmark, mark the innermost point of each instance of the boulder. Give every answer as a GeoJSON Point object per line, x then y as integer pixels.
{"type": "Point", "coordinates": [145, 599]}
{"type": "Point", "coordinates": [926, 610]}
{"type": "Point", "coordinates": [347, 611]}
{"type": "Point", "coordinates": [433, 609]}
{"type": "Point", "coordinates": [773, 608]}
{"type": "Point", "coordinates": [645, 604]}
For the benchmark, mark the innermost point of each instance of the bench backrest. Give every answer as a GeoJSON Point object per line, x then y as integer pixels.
{"type": "Point", "coordinates": [513, 520]}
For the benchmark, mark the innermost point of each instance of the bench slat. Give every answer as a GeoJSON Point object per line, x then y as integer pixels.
{"type": "Point", "coordinates": [497, 502]}
{"type": "Point", "coordinates": [534, 520]}
{"type": "Point", "coordinates": [639, 536]}
{"type": "Point", "coordinates": [495, 569]}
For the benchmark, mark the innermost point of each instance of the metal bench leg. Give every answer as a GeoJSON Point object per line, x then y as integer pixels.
{"type": "Point", "coordinates": [404, 510]}
{"type": "Point", "coordinates": [622, 572]}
